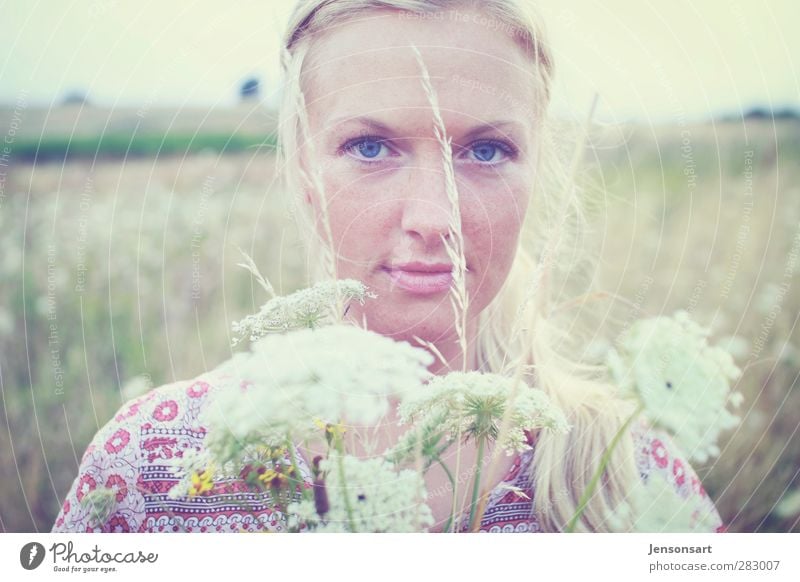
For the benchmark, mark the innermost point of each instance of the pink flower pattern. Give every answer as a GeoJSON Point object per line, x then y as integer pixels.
{"type": "Point", "coordinates": [166, 411]}
{"type": "Point", "coordinates": [118, 441]}
{"type": "Point", "coordinates": [115, 481]}
{"type": "Point", "coordinates": [660, 453]}
{"type": "Point", "coordinates": [678, 472]}
{"type": "Point", "coordinates": [197, 389]}
{"type": "Point", "coordinates": [85, 485]}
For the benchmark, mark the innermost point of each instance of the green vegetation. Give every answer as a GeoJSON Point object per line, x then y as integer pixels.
{"type": "Point", "coordinates": [126, 144]}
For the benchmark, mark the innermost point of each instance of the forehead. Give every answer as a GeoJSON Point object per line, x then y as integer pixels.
{"type": "Point", "coordinates": [367, 64]}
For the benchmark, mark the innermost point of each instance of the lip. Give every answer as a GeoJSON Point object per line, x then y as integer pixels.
{"type": "Point", "coordinates": [421, 278]}
{"type": "Point", "coordinates": [419, 267]}
{"type": "Point", "coordinates": [420, 283]}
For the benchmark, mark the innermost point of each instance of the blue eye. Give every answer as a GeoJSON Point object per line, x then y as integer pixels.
{"type": "Point", "coordinates": [368, 147]}
{"type": "Point", "coordinates": [486, 151]}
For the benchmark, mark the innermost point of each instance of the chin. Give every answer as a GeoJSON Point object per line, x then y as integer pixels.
{"type": "Point", "coordinates": [425, 323]}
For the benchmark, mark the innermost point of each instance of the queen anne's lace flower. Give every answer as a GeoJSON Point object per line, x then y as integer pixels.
{"type": "Point", "coordinates": [381, 498]}
{"type": "Point", "coordinates": [473, 404]}
{"type": "Point", "coordinates": [299, 379]}
{"type": "Point", "coordinates": [306, 308]}
{"type": "Point", "coordinates": [656, 507]}
{"type": "Point", "coordinates": [101, 503]}
{"type": "Point", "coordinates": [683, 383]}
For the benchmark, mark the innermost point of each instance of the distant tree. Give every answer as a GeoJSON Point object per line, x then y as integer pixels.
{"type": "Point", "coordinates": [75, 97]}
{"type": "Point", "coordinates": [787, 113]}
{"type": "Point", "coordinates": [250, 89]}
{"type": "Point", "coordinates": [764, 113]}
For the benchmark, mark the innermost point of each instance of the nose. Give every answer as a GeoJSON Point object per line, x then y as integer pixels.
{"type": "Point", "coordinates": [427, 209]}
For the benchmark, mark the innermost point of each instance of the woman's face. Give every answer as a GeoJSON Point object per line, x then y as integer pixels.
{"type": "Point", "coordinates": [381, 164]}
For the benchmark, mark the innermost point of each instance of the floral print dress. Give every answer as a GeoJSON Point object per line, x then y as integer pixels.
{"type": "Point", "coordinates": [130, 455]}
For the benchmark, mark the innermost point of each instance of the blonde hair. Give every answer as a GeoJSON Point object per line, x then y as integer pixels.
{"type": "Point", "coordinates": [548, 341]}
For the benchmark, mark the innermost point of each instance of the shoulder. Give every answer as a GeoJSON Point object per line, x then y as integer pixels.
{"type": "Point", "coordinates": [173, 409]}
{"type": "Point", "coordinates": [126, 456]}
{"type": "Point", "coordinates": [659, 457]}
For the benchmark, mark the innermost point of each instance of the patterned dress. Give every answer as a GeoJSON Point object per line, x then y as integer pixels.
{"type": "Point", "coordinates": [129, 456]}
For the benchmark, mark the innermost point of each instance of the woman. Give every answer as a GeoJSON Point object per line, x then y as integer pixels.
{"type": "Point", "coordinates": [362, 140]}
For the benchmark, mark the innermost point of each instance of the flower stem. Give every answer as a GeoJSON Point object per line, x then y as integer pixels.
{"type": "Point", "coordinates": [447, 472]}
{"type": "Point", "coordinates": [458, 469]}
{"type": "Point", "coordinates": [477, 482]}
{"type": "Point", "coordinates": [343, 482]}
{"type": "Point", "coordinates": [587, 494]}
{"type": "Point", "coordinates": [306, 493]}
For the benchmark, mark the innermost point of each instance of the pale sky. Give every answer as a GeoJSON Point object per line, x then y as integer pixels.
{"type": "Point", "coordinates": [647, 59]}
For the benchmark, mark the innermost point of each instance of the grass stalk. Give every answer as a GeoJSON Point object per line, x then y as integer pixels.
{"type": "Point", "coordinates": [587, 494]}
{"type": "Point", "coordinates": [314, 179]}
{"type": "Point", "coordinates": [454, 243]}
{"type": "Point", "coordinates": [538, 289]}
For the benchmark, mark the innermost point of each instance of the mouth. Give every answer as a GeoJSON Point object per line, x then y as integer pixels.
{"type": "Point", "coordinates": [421, 278]}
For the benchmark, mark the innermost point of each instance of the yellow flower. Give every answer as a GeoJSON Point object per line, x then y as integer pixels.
{"type": "Point", "coordinates": [267, 476]}
{"type": "Point", "coordinates": [202, 482]}
{"type": "Point", "coordinates": [336, 430]}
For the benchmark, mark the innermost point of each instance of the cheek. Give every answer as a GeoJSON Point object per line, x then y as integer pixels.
{"type": "Point", "coordinates": [494, 220]}
{"type": "Point", "coordinates": [492, 228]}
{"type": "Point", "coordinates": [358, 220]}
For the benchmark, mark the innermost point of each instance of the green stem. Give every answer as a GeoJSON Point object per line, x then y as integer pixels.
{"type": "Point", "coordinates": [306, 493]}
{"type": "Point", "coordinates": [453, 484]}
{"type": "Point", "coordinates": [458, 469]}
{"type": "Point", "coordinates": [342, 483]}
{"type": "Point", "coordinates": [587, 494]}
{"type": "Point", "coordinates": [477, 482]}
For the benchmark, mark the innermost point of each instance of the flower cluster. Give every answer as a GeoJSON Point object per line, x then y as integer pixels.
{"type": "Point", "coordinates": [194, 472]}
{"type": "Point", "coordinates": [682, 382]}
{"type": "Point", "coordinates": [301, 379]}
{"type": "Point", "coordinates": [473, 404]}
{"type": "Point", "coordinates": [363, 495]}
{"type": "Point", "coordinates": [655, 506]}
{"type": "Point", "coordinates": [307, 308]}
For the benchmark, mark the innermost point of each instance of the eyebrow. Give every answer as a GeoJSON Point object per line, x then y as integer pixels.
{"type": "Point", "coordinates": [377, 125]}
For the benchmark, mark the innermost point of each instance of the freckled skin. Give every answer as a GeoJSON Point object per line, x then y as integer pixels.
{"type": "Point", "coordinates": [396, 208]}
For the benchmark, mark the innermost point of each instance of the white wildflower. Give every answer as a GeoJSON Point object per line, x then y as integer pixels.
{"type": "Point", "coordinates": [193, 461]}
{"type": "Point", "coordinates": [789, 505]}
{"type": "Point", "coordinates": [306, 308]}
{"type": "Point", "coordinates": [768, 298]}
{"type": "Point", "coordinates": [788, 354]}
{"type": "Point", "coordinates": [596, 351]}
{"type": "Point", "coordinates": [473, 404]}
{"type": "Point", "coordinates": [736, 345]}
{"type": "Point", "coordinates": [307, 377]}
{"type": "Point", "coordinates": [137, 386]}
{"type": "Point", "coordinates": [657, 507]}
{"type": "Point", "coordinates": [101, 503]}
{"type": "Point", "coordinates": [380, 498]}
{"type": "Point", "coordinates": [683, 383]}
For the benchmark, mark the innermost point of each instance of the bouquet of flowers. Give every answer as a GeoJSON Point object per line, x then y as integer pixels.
{"type": "Point", "coordinates": [309, 378]}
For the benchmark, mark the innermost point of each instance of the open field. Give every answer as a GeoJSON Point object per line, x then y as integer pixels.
{"type": "Point", "coordinates": [114, 268]}
{"type": "Point", "coordinates": [76, 131]}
